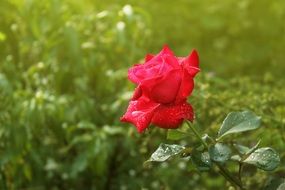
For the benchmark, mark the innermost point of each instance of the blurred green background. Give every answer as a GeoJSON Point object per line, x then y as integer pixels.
{"type": "Point", "coordinates": [63, 87]}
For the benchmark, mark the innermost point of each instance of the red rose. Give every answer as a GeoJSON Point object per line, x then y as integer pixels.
{"type": "Point", "coordinates": [164, 83]}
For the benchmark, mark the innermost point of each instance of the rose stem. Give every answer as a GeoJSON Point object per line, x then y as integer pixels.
{"type": "Point", "coordinates": [224, 172]}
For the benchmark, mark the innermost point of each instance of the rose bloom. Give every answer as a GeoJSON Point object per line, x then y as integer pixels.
{"type": "Point", "coordinates": [163, 82]}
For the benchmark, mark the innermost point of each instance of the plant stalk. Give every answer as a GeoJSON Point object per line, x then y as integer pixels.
{"type": "Point", "coordinates": [224, 172]}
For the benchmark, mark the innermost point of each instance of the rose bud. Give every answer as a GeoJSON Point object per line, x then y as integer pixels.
{"type": "Point", "coordinates": [163, 82]}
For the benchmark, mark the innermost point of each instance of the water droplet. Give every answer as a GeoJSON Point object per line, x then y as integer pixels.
{"type": "Point", "coordinates": [136, 113]}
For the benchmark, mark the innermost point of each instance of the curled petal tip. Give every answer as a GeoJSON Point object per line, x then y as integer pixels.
{"type": "Point", "coordinates": [139, 113]}
{"type": "Point", "coordinates": [193, 58]}
{"type": "Point", "coordinates": [148, 57]}
{"type": "Point", "coordinates": [137, 94]}
{"type": "Point", "coordinates": [194, 51]}
{"type": "Point", "coordinates": [165, 46]}
{"type": "Point", "coordinates": [167, 50]}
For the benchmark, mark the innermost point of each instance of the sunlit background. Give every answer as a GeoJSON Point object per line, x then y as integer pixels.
{"type": "Point", "coordinates": [63, 87]}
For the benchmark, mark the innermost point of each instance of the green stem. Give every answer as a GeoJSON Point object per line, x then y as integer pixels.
{"type": "Point", "coordinates": [197, 134]}
{"type": "Point", "coordinates": [240, 171]}
{"type": "Point", "coordinates": [224, 172]}
{"type": "Point", "coordinates": [233, 180]}
{"type": "Point", "coordinates": [227, 177]}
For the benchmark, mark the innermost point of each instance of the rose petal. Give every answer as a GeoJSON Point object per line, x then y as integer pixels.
{"type": "Point", "coordinates": [166, 50]}
{"type": "Point", "coordinates": [132, 73]}
{"type": "Point", "coordinates": [165, 90]}
{"type": "Point", "coordinates": [186, 87]}
{"type": "Point", "coordinates": [172, 116]}
{"type": "Point", "coordinates": [193, 59]}
{"type": "Point", "coordinates": [148, 57]}
{"type": "Point", "coordinates": [140, 72]}
{"type": "Point", "coordinates": [191, 63]}
{"type": "Point", "coordinates": [137, 94]}
{"type": "Point", "coordinates": [139, 113]}
{"type": "Point", "coordinates": [171, 61]}
{"type": "Point", "coordinates": [154, 65]}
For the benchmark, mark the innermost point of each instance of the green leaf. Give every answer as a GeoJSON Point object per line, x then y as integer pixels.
{"type": "Point", "coordinates": [236, 158]}
{"type": "Point", "coordinates": [253, 148]}
{"type": "Point", "coordinates": [241, 149]}
{"type": "Point", "coordinates": [246, 150]}
{"type": "Point", "coordinates": [220, 152]}
{"type": "Point", "coordinates": [207, 139]}
{"type": "Point", "coordinates": [80, 163]}
{"type": "Point", "coordinates": [176, 134]}
{"type": "Point", "coordinates": [201, 160]}
{"type": "Point", "coordinates": [165, 151]}
{"type": "Point", "coordinates": [281, 186]}
{"type": "Point", "coordinates": [264, 158]}
{"type": "Point", "coordinates": [275, 183]}
{"type": "Point", "coordinates": [237, 122]}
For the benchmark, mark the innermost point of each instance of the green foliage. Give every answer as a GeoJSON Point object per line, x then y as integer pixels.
{"type": "Point", "coordinates": [275, 184]}
{"type": "Point", "coordinates": [201, 160]}
{"type": "Point", "coordinates": [176, 134]}
{"type": "Point", "coordinates": [220, 152]}
{"type": "Point", "coordinates": [264, 158]}
{"type": "Point", "coordinates": [165, 151]}
{"type": "Point", "coordinates": [59, 121]}
{"type": "Point", "coordinates": [237, 122]}
{"type": "Point", "coordinates": [63, 87]}
{"type": "Point", "coordinates": [213, 152]}
{"type": "Point", "coordinates": [245, 150]}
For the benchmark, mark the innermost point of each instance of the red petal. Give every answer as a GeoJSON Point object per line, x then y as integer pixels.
{"type": "Point", "coordinates": [148, 57]}
{"type": "Point", "coordinates": [132, 73]}
{"type": "Point", "coordinates": [186, 87]}
{"type": "Point", "coordinates": [171, 60]}
{"type": "Point", "coordinates": [137, 94]}
{"type": "Point", "coordinates": [165, 89]}
{"type": "Point", "coordinates": [166, 50]}
{"type": "Point", "coordinates": [153, 66]}
{"type": "Point", "coordinates": [139, 113]}
{"type": "Point", "coordinates": [193, 59]}
{"type": "Point", "coordinates": [191, 63]}
{"type": "Point", "coordinates": [170, 117]}
{"type": "Point", "coordinates": [140, 72]}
